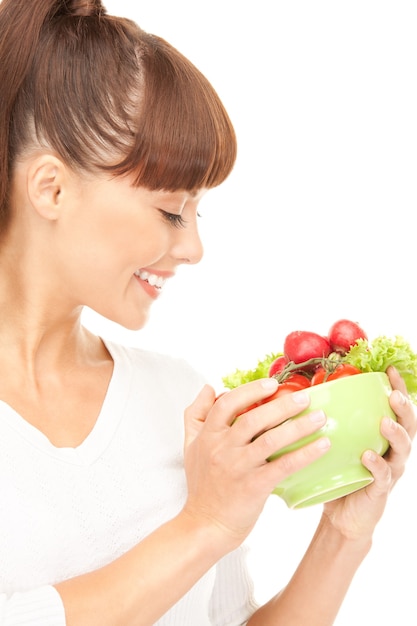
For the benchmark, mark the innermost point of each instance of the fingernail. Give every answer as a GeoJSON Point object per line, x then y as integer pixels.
{"type": "Point", "coordinates": [401, 397]}
{"type": "Point", "coordinates": [389, 423]}
{"type": "Point", "coordinates": [301, 397]}
{"type": "Point", "coordinates": [323, 443]}
{"type": "Point", "coordinates": [317, 417]}
{"type": "Point", "coordinates": [371, 456]}
{"type": "Point", "coordinates": [269, 383]}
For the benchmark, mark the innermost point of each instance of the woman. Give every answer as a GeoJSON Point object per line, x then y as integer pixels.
{"type": "Point", "coordinates": [109, 139]}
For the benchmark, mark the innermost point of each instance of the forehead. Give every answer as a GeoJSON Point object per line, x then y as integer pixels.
{"type": "Point", "coordinates": [179, 197]}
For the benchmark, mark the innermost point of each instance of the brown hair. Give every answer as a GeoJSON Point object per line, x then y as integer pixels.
{"type": "Point", "coordinates": [106, 95]}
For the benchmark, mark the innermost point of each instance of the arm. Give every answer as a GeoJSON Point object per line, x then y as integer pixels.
{"type": "Point", "coordinates": [140, 586]}
{"type": "Point", "coordinates": [317, 589]}
{"type": "Point", "coordinates": [344, 535]}
{"type": "Point", "coordinates": [228, 484]}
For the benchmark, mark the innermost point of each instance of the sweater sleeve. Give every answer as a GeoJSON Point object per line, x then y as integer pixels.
{"type": "Point", "coordinates": [232, 601]}
{"type": "Point", "coordinates": [37, 607]}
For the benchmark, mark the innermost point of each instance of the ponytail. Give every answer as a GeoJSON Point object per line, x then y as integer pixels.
{"type": "Point", "coordinates": [20, 27]}
{"type": "Point", "coordinates": [16, 54]}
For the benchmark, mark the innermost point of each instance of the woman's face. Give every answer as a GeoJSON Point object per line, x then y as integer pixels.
{"type": "Point", "coordinates": [125, 243]}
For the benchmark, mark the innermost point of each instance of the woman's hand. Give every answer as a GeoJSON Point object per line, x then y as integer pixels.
{"type": "Point", "coordinates": [226, 446]}
{"type": "Point", "coordinates": [356, 515]}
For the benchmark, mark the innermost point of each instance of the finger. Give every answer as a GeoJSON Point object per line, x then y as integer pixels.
{"type": "Point", "coordinates": [405, 411]}
{"type": "Point", "coordinates": [231, 404]}
{"type": "Point", "coordinates": [268, 415]}
{"type": "Point", "coordinates": [196, 414]}
{"type": "Point", "coordinates": [284, 466]}
{"type": "Point", "coordinates": [291, 431]}
{"type": "Point", "coordinates": [400, 446]}
{"type": "Point", "coordinates": [381, 471]}
{"type": "Point", "coordinates": [396, 380]}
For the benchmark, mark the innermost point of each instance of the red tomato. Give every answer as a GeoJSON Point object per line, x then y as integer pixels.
{"type": "Point", "coordinates": [342, 370]}
{"type": "Point", "coordinates": [344, 334]}
{"type": "Point", "coordinates": [289, 386]}
{"type": "Point", "coordinates": [277, 366]}
{"type": "Point", "coordinates": [299, 379]}
{"type": "Point", "coordinates": [295, 383]}
{"type": "Point", "coordinates": [302, 345]}
{"type": "Point", "coordinates": [318, 376]}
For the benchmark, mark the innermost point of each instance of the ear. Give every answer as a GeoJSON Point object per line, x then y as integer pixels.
{"type": "Point", "coordinates": [46, 179]}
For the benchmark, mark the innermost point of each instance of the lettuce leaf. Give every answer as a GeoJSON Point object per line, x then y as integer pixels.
{"type": "Point", "coordinates": [383, 351]}
{"type": "Point", "coordinates": [239, 377]}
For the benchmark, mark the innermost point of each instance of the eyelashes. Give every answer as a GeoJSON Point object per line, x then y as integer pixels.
{"type": "Point", "coordinates": [174, 219]}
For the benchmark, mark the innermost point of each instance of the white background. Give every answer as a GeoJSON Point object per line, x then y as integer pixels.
{"type": "Point", "coordinates": [315, 223]}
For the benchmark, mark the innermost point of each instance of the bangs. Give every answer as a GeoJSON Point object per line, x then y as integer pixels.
{"type": "Point", "coordinates": [133, 106]}
{"type": "Point", "coordinates": [184, 138]}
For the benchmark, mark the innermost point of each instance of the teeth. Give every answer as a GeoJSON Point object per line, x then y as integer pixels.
{"type": "Point", "coordinates": [152, 279]}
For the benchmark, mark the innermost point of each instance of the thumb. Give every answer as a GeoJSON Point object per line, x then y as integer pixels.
{"type": "Point", "coordinates": [195, 415]}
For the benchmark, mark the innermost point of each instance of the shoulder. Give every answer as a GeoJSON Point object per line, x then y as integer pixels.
{"type": "Point", "coordinates": [158, 370]}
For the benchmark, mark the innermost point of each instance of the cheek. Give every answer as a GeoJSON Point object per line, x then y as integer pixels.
{"type": "Point", "coordinates": [134, 248]}
{"type": "Point", "coordinates": [116, 240]}
{"type": "Point", "coordinates": [147, 242]}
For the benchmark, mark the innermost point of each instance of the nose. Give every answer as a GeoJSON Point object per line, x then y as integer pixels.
{"type": "Point", "coordinates": [187, 247]}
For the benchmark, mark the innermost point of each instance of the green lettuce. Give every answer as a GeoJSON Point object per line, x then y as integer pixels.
{"type": "Point", "coordinates": [239, 377]}
{"type": "Point", "coordinates": [383, 351]}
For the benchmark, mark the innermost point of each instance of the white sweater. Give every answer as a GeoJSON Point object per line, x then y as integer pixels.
{"type": "Point", "coordinates": [67, 511]}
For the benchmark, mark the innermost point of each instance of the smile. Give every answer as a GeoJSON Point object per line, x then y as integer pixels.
{"type": "Point", "coordinates": [152, 279]}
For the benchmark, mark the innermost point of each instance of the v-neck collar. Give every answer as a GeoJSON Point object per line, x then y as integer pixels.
{"type": "Point", "coordinates": [107, 421]}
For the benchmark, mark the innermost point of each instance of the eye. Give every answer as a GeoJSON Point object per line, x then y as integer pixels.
{"type": "Point", "coordinates": [173, 218]}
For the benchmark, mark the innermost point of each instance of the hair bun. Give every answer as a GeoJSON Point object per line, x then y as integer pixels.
{"type": "Point", "coordinates": [85, 8]}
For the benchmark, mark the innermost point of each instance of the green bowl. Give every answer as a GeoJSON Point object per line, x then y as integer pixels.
{"type": "Point", "coordinates": [354, 406]}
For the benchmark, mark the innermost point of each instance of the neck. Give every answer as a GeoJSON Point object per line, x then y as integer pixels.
{"type": "Point", "coordinates": [39, 330]}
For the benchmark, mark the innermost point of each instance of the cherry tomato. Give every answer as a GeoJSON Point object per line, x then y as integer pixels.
{"type": "Point", "coordinates": [299, 379]}
{"type": "Point", "coordinates": [286, 387]}
{"type": "Point", "coordinates": [344, 334]}
{"type": "Point", "coordinates": [342, 370]}
{"type": "Point", "coordinates": [295, 382]}
{"type": "Point", "coordinates": [318, 376]}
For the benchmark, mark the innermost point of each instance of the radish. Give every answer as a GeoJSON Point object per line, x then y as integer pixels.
{"type": "Point", "coordinates": [343, 334]}
{"type": "Point", "coordinates": [303, 345]}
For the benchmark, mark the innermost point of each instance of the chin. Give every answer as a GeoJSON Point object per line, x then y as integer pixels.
{"type": "Point", "coordinates": [136, 322]}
